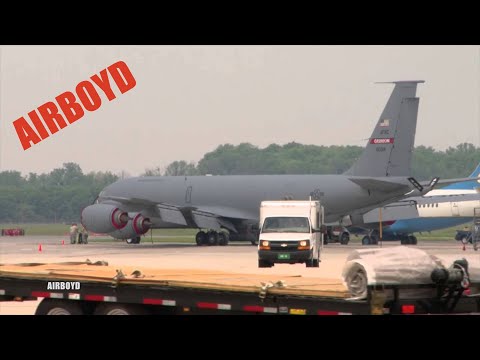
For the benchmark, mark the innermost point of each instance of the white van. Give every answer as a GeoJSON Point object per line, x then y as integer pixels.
{"type": "Point", "coordinates": [290, 232]}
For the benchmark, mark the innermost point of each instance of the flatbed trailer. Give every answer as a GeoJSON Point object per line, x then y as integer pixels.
{"type": "Point", "coordinates": [84, 288]}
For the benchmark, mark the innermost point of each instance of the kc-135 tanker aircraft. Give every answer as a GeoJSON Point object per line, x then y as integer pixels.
{"type": "Point", "coordinates": [227, 207]}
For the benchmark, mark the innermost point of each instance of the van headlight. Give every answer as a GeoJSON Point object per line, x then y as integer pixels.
{"type": "Point", "coordinates": [304, 245]}
{"type": "Point", "coordinates": [264, 245]}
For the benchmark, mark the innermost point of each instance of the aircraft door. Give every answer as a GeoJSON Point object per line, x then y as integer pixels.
{"type": "Point", "coordinates": [455, 211]}
{"type": "Point", "coordinates": [188, 195]}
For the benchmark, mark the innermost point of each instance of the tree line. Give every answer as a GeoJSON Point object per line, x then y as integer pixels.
{"type": "Point", "coordinates": [59, 196]}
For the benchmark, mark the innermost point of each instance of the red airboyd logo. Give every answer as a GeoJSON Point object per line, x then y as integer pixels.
{"type": "Point", "coordinates": [70, 107]}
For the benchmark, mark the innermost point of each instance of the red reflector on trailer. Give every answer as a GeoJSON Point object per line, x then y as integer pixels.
{"type": "Point", "coordinates": [327, 312]}
{"type": "Point", "coordinates": [40, 294]}
{"type": "Point", "coordinates": [408, 309]}
{"type": "Point", "coordinates": [206, 305]}
{"type": "Point", "coordinates": [253, 308]}
{"type": "Point", "coordinates": [262, 309]}
{"type": "Point", "coordinates": [94, 297]}
{"type": "Point", "coordinates": [159, 302]}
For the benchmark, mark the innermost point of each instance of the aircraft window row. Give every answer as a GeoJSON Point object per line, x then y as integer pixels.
{"type": "Point", "coordinates": [428, 205]}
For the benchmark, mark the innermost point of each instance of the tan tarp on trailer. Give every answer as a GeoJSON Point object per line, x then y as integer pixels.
{"type": "Point", "coordinates": [178, 278]}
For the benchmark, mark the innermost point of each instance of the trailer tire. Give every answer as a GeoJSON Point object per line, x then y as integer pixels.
{"type": "Point", "coordinates": [58, 307]}
{"type": "Point", "coordinates": [365, 240]}
{"type": "Point", "coordinates": [119, 309]}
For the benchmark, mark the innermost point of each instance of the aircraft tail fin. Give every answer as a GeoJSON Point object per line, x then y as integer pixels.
{"type": "Point", "coordinates": [469, 185]}
{"type": "Point", "coordinates": [390, 147]}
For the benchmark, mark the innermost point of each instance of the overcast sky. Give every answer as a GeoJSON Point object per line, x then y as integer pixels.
{"type": "Point", "coordinates": [190, 99]}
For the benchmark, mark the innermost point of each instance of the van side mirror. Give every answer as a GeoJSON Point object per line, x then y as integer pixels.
{"type": "Point", "coordinates": [322, 229]}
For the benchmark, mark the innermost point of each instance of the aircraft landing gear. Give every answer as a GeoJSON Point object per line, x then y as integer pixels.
{"type": "Point", "coordinates": [371, 239]}
{"type": "Point", "coordinates": [134, 240]}
{"type": "Point", "coordinates": [408, 240]}
{"type": "Point", "coordinates": [212, 238]}
{"type": "Point", "coordinates": [201, 238]}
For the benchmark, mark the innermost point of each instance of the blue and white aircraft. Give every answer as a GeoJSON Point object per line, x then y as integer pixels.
{"type": "Point", "coordinates": [452, 205]}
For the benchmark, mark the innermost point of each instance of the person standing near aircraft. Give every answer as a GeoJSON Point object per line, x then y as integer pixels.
{"type": "Point", "coordinates": [73, 233]}
{"type": "Point", "coordinates": [84, 235]}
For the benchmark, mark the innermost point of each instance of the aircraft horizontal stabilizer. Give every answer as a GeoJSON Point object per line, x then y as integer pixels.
{"type": "Point", "coordinates": [378, 185]}
{"type": "Point", "coordinates": [451, 181]}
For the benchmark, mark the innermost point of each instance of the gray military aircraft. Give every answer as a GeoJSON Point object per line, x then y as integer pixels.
{"type": "Point", "coordinates": [228, 206]}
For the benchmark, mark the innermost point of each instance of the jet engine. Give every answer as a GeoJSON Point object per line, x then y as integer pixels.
{"type": "Point", "coordinates": [136, 226]}
{"type": "Point", "coordinates": [104, 218]}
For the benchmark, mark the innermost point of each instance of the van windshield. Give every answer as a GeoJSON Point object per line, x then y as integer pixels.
{"type": "Point", "coordinates": [286, 224]}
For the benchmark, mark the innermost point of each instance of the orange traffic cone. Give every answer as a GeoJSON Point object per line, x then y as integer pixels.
{"type": "Point", "coordinates": [40, 247]}
{"type": "Point", "coordinates": [63, 242]}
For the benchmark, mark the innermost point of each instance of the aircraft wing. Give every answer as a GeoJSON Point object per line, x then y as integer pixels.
{"type": "Point", "coordinates": [406, 209]}
{"type": "Point", "coordinates": [448, 198]}
{"type": "Point", "coordinates": [130, 200]}
{"type": "Point", "coordinates": [199, 217]}
{"type": "Point", "coordinates": [391, 213]}
{"type": "Point", "coordinates": [434, 199]}
{"type": "Point", "coordinates": [380, 185]}
{"type": "Point", "coordinates": [210, 217]}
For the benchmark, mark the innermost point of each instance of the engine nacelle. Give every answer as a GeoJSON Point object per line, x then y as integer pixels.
{"type": "Point", "coordinates": [104, 218]}
{"type": "Point", "coordinates": [138, 225]}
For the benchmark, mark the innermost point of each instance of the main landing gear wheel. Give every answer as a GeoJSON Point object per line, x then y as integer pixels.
{"type": "Point", "coordinates": [365, 240]}
{"type": "Point", "coordinates": [223, 239]}
{"type": "Point", "coordinates": [201, 238]}
{"type": "Point", "coordinates": [212, 238]}
{"type": "Point", "coordinates": [344, 239]}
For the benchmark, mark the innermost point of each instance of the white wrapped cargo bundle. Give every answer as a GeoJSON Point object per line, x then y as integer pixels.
{"type": "Point", "coordinates": [387, 266]}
